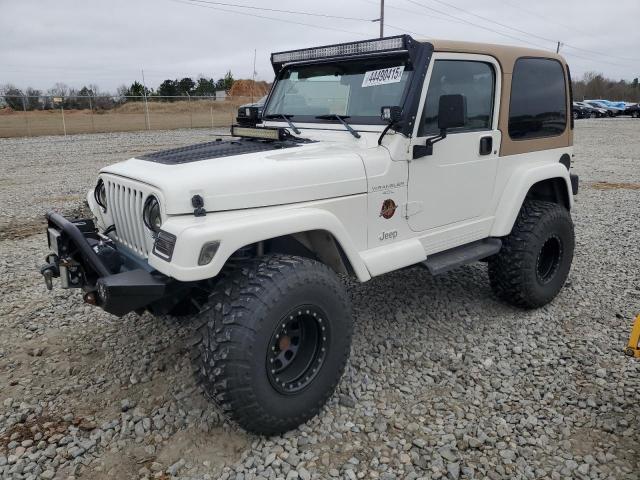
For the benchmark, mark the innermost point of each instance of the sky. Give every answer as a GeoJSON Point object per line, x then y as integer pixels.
{"type": "Point", "coordinates": [109, 42]}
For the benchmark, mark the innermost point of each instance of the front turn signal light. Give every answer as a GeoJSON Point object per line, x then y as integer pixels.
{"type": "Point", "coordinates": [208, 251]}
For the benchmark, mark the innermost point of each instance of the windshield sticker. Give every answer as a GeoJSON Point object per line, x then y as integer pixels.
{"type": "Point", "coordinates": [382, 76]}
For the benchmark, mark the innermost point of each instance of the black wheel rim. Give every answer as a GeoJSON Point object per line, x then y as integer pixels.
{"type": "Point", "coordinates": [549, 259]}
{"type": "Point", "coordinates": [297, 349]}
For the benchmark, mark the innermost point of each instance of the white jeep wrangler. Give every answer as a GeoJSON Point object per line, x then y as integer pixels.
{"type": "Point", "coordinates": [369, 157]}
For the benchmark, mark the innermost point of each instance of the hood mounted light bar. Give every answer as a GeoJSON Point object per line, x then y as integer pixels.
{"type": "Point", "coordinates": [381, 45]}
{"type": "Point", "coordinates": [263, 133]}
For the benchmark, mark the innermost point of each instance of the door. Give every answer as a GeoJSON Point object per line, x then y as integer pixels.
{"type": "Point", "coordinates": [454, 184]}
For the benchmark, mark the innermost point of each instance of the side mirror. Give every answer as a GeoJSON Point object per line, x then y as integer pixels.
{"type": "Point", "coordinates": [391, 114]}
{"type": "Point", "coordinates": [452, 112]}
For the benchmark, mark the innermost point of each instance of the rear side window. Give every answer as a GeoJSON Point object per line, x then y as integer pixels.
{"type": "Point", "coordinates": [538, 99]}
{"type": "Point", "coordinates": [474, 80]}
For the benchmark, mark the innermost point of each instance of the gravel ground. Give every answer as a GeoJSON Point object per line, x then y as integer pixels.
{"type": "Point", "coordinates": [444, 381]}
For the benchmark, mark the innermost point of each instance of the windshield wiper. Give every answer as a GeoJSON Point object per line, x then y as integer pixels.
{"type": "Point", "coordinates": [340, 118]}
{"type": "Point", "coordinates": [286, 117]}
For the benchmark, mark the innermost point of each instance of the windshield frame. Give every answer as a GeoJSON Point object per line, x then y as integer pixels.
{"type": "Point", "coordinates": [417, 56]}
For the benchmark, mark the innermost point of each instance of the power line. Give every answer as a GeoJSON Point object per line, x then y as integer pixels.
{"type": "Point", "coordinates": [413, 12]}
{"type": "Point", "coordinates": [506, 34]}
{"type": "Point", "coordinates": [294, 12]}
{"type": "Point", "coordinates": [544, 17]}
{"type": "Point", "coordinates": [463, 10]}
{"type": "Point", "coordinates": [528, 33]}
{"type": "Point", "coordinates": [189, 2]}
{"type": "Point", "coordinates": [475, 24]}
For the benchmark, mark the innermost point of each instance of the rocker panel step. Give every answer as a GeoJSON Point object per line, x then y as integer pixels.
{"type": "Point", "coordinates": [456, 257]}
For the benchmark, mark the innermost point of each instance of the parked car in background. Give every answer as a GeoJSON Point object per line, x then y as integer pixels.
{"type": "Point", "coordinates": [632, 109]}
{"type": "Point", "coordinates": [245, 116]}
{"type": "Point", "coordinates": [620, 105]}
{"type": "Point", "coordinates": [594, 112]}
{"type": "Point", "coordinates": [581, 111]}
{"type": "Point", "coordinates": [611, 111]}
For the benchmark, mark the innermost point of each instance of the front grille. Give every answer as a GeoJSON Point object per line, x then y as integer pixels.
{"type": "Point", "coordinates": [125, 206]}
{"type": "Point", "coordinates": [163, 246]}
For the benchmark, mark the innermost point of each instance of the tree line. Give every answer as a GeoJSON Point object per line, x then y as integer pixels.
{"type": "Point", "coordinates": [596, 86]}
{"type": "Point", "coordinates": [61, 95]}
{"type": "Point", "coordinates": [592, 86]}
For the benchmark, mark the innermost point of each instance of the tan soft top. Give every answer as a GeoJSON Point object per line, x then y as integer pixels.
{"type": "Point", "coordinates": [506, 56]}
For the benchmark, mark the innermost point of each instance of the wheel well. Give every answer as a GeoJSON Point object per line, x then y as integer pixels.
{"type": "Point", "coordinates": [551, 190]}
{"type": "Point", "coordinates": [319, 245]}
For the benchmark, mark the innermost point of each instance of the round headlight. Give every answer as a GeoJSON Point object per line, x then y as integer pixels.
{"type": "Point", "coordinates": [100, 195]}
{"type": "Point", "coordinates": [151, 214]}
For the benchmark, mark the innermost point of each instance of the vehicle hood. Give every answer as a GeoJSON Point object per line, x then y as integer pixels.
{"type": "Point", "coordinates": [301, 173]}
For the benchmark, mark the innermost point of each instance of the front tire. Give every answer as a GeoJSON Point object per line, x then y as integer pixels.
{"type": "Point", "coordinates": [536, 257]}
{"type": "Point", "coordinates": [273, 342]}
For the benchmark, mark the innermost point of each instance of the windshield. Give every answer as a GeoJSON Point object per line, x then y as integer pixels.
{"type": "Point", "coordinates": [354, 88]}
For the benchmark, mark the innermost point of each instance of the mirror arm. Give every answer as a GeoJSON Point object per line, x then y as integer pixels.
{"type": "Point", "coordinates": [427, 149]}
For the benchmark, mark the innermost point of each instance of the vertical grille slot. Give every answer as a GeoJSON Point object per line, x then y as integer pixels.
{"type": "Point", "coordinates": [125, 205]}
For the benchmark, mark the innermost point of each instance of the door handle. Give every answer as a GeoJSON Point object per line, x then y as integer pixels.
{"type": "Point", "coordinates": [486, 145]}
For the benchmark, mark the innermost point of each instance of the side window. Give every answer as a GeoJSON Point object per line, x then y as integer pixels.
{"type": "Point", "coordinates": [538, 105]}
{"type": "Point", "coordinates": [474, 80]}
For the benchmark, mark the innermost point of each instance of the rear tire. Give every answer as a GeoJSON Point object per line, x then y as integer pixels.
{"type": "Point", "coordinates": [272, 341]}
{"type": "Point", "coordinates": [536, 257]}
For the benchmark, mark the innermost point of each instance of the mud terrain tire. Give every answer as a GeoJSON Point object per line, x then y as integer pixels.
{"type": "Point", "coordinates": [536, 257]}
{"type": "Point", "coordinates": [272, 341]}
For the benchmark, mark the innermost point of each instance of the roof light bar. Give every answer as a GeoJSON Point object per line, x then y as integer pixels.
{"type": "Point", "coordinates": [342, 49]}
{"type": "Point", "coordinates": [258, 132]}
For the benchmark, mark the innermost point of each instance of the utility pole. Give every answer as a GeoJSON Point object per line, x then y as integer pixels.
{"type": "Point", "coordinates": [381, 18]}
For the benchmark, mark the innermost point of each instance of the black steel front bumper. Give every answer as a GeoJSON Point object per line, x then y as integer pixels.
{"type": "Point", "coordinates": [110, 278]}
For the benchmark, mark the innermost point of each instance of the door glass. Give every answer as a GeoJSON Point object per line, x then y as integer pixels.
{"type": "Point", "coordinates": [475, 81]}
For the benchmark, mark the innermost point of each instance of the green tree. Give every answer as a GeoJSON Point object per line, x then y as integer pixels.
{"type": "Point", "coordinates": [137, 90]}
{"type": "Point", "coordinates": [186, 86]}
{"type": "Point", "coordinates": [225, 83]}
{"type": "Point", "coordinates": [168, 88]}
{"type": "Point", "coordinates": [205, 87]}
{"type": "Point", "coordinates": [84, 102]}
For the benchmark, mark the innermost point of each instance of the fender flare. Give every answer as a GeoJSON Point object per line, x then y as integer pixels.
{"type": "Point", "coordinates": [516, 191]}
{"type": "Point", "coordinates": [243, 230]}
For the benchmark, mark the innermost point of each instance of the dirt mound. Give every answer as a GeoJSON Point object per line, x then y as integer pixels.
{"type": "Point", "coordinates": [615, 186]}
{"type": "Point", "coordinates": [247, 88]}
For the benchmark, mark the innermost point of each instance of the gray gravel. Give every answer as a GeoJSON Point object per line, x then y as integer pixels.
{"type": "Point", "coordinates": [444, 381]}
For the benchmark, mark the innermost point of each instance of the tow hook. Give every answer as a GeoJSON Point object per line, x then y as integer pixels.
{"type": "Point", "coordinates": [50, 271]}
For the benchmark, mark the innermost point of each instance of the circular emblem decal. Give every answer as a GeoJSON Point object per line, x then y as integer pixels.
{"type": "Point", "coordinates": [388, 209]}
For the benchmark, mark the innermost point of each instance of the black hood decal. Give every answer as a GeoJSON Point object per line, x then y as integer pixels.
{"type": "Point", "coordinates": [217, 149]}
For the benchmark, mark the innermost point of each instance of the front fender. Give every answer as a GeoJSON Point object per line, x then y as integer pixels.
{"type": "Point", "coordinates": [517, 188]}
{"type": "Point", "coordinates": [238, 229]}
